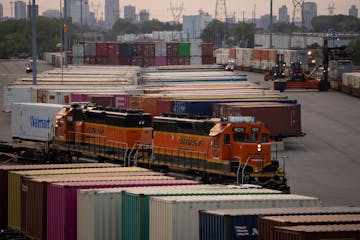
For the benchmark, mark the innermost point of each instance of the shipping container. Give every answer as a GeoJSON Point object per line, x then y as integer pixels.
{"type": "Point", "coordinates": [184, 60]}
{"type": "Point", "coordinates": [282, 120]}
{"type": "Point", "coordinates": [208, 60]}
{"type": "Point", "coordinates": [268, 223]}
{"type": "Point", "coordinates": [101, 49]}
{"type": "Point", "coordinates": [184, 49]}
{"type": "Point", "coordinates": [136, 203]}
{"type": "Point", "coordinates": [195, 60]}
{"type": "Point", "coordinates": [102, 100]}
{"type": "Point", "coordinates": [195, 48]}
{"type": "Point", "coordinates": [172, 49]}
{"type": "Point", "coordinates": [232, 53]}
{"type": "Point", "coordinates": [160, 61]}
{"type": "Point", "coordinates": [124, 60]}
{"type": "Point", "coordinates": [78, 50]}
{"type": "Point", "coordinates": [207, 49]}
{"type": "Point", "coordinates": [113, 60]}
{"type": "Point", "coordinates": [230, 224]}
{"type": "Point", "coordinates": [335, 232]}
{"type": "Point", "coordinates": [14, 186]}
{"type": "Point", "coordinates": [99, 206]}
{"type": "Point", "coordinates": [171, 60]}
{"type": "Point", "coordinates": [160, 49]}
{"type": "Point", "coordinates": [126, 50]}
{"type": "Point", "coordinates": [149, 61]}
{"type": "Point", "coordinates": [34, 197]}
{"type": "Point", "coordinates": [177, 218]}
{"type": "Point", "coordinates": [89, 49]}
{"type": "Point", "coordinates": [33, 121]}
{"type": "Point", "coordinates": [113, 50]}
{"type": "Point", "coordinates": [62, 203]}
{"type": "Point", "coordinates": [122, 101]}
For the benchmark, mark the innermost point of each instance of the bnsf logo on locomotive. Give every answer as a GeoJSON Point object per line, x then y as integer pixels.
{"type": "Point", "coordinates": [95, 130]}
{"type": "Point", "coordinates": [190, 142]}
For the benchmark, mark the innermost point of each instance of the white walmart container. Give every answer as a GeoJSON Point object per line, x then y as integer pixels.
{"type": "Point", "coordinates": [177, 218]}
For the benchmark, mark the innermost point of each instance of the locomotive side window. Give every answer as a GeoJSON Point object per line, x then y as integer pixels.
{"type": "Point", "coordinates": [226, 138]}
{"type": "Point", "coordinates": [264, 137]}
{"type": "Point", "coordinates": [239, 137]}
{"type": "Point", "coordinates": [253, 137]}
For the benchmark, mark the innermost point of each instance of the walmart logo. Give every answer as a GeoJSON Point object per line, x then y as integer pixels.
{"type": "Point", "coordinates": [36, 122]}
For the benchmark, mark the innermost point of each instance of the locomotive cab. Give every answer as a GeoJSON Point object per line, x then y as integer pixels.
{"type": "Point", "coordinates": [64, 127]}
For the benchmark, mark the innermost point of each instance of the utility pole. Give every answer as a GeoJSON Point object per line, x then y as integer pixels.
{"type": "Point", "coordinates": [65, 33]}
{"type": "Point", "coordinates": [33, 42]}
{"type": "Point", "coordinates": [271, 23]}
{"type": "Point", "coordinates": [81, 18]}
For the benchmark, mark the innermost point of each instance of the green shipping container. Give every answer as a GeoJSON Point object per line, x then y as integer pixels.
{"type": "Point", "coordinates": [136, 205]}
{"type": "Point", "coordinates": [184, 49]}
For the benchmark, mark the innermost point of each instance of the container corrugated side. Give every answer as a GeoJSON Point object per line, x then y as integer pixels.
{"type": "Point", "coordinates": [136, 203]}
{"type": "Point", "coordinates": [267, 223]}
{"type": "Point", "coordinates": [335, 232]}
{"type": "Point", "coordinates": [176, 218]}
{"type": "Point", "coordinates": [107, 209]}
{"type": "Point", "coordinates": [228, 224]}
{"type": "Point", "coordinates": [65, 228]}
{"type": "Point", "coordinates": [14, 187]}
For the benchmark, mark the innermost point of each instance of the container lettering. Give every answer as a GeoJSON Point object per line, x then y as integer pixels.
{"type": "Point", "coordinates": [36, 122]}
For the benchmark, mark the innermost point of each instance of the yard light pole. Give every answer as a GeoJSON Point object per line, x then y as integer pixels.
{"type": "Point", "coordinates": [33, 42]}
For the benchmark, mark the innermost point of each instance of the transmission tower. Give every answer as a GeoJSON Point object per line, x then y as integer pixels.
{"type": "Point", "coordinates": [331, 9]}
{"type": "Point", "coordinates": [220, 10]}
{"type": "Point", "coordinates": [176, 11]}
{"type": "Point", "coordinates": [297, 18]}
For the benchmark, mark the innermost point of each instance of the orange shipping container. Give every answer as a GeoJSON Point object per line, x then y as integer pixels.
{"type": "Point", "coordinates": [232, 53]}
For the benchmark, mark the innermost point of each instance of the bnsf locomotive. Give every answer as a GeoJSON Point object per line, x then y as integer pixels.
{"type": "Point", "coordinates": [214, 149]}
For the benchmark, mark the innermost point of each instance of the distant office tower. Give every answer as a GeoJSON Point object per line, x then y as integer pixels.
{"type": "Point", "coordinates": [308, 12]}
{"type": "Point", "coordinates": [283, 14]}
{"type": "Point", "coordinates": [112, 12]}
{"type": "Point", "coordinates": [1, 11]}
{"type": "Point", "coordinates": [76, 13]}
{"type": "Point", "coordinates": [265, 21]}
{"type": "Point", "coordinates": [29, 10]}
{"type": "Point", "coordinates": [20, 10]}
{"type": "Point", "coordinates": [51, 13]}
{"type": "Point", "coordinates": [144, 15]}
{"type": "Point", "coordinates": [129, 13]}
{"type": "Point", "coordinates": [353, 11]}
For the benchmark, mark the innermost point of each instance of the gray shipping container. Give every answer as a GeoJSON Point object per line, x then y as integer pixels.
{"type": "Point", "coordinates": [177, 218]}
{"type": "Point", "coordinates": [231, 224]}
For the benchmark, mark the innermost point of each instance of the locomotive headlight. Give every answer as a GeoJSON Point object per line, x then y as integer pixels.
{"type": "Point", "coordinates": [259, 147]}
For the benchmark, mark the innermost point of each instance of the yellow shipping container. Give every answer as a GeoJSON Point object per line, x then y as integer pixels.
{"type": "Point", "coordinates": [15, 188]}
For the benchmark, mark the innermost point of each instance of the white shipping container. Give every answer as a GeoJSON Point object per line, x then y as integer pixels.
{"type": "Point", "coordinates": [351, 79]}
{"type": "Point", "coordinates": [17, 93]}
{"type": "Point", "coordinates": [160, 49]}
{"type": "Point", "coordinates": [33, 121]}
{"type": "Point", "coordinates": [177, 218]}
{"type": "Point", "coordinates": [195, 48]}
{"type": "Point", "coordinates": [195, 61]}
{"type": "Point", "coordinates": [78, 50]}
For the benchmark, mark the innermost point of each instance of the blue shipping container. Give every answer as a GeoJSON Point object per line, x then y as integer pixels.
{"type": "Point", "coordinates": [126, 50]}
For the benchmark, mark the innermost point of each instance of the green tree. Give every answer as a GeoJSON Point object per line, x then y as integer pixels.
{"type": "Point", "coordinates": [353, 49]}
{"type": "Point", "coordinates": [214, 32]}
{"type": "Point", "coordinates": [337, 23]}
{"type": "Point", "coordinates": [245, 34]}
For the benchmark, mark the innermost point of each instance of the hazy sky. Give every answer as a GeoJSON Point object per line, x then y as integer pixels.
{"type": "Point", "coordinates": [160, 9]}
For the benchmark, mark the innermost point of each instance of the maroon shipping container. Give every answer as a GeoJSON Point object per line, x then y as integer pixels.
{"type": "Point", "coordinates": [184, 60]}
{"type": "Point", "coordinates": [125, 60]}
{"type": "Point", "coordinates": [62, 203]}
{"type": "Point", "coordinates": [207, 49]}
{"type": "Point", "coordinates": [102, 100]}
{"type": "Point", "coordinates": [163, 106]}
{"type": "Point", "coordinates": [318, 232]}
{"type": "Point", "coordinates": [144, 49]}
{"type": "Point", "coordinates": [172, 50]}
{"type": "Point", "coordinates": [113, 49]}
{"type": "Point", "coordinates": [113, 60]}
{"type": "Point", "coordinates": [34, 195]}
{"type": "Point", "coordinates": [282, 119]}
{"type": "Point", "coordinates": [137, 61]}
{"type": "Point", "coordinates": [208, 60]}
{"type": "Point", "coordinates": [160, 61]}
{"type": "Point", "coordinates": [267, 224]}
{"type": "Point", "coordinates": [149, 61]}
{"type": "Point", "coordinates": [171, 60]}
{"type": "Point", "coordinates": [4, 169]}
{"type": "Point", "coordinates": [101, 49]}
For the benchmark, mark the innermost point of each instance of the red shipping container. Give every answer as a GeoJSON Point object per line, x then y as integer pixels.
{"type": "Point", "coordinates": [113, 60]}
{"type": "Point", "coordinates": [160, 61]}
{"type": "Point", "coordinates": [149, 61]}
{"type": "Point", "coordinates": [208, 60]}
{"type": "Point", "coordinates": [171, 60]}
{"type": "Point", "coordinates": [62, 203]}
{"type": "Point", "coordinates": [207, 49]}
{"type": "Point", "coordinates": [125, 60]}
{"type": "Point", "coordinates": [101, 49]}
{"type": "Point", "coordinates": [163, 106]}
{"type": "Point", "coordinates": [137, 61]}
{"type": "Point", "coordinates": [113, 49]}
{"type": "Point", "coordinates": [184, 60]}
{"type": "Point", "coordinates": [102, 100]}
{"type": "Point", "coordinates": [172, 50]}
{"type": "Point", "coordinates": [232, 53]}
{"type": "Point", "coordinates": [78, 97]}
{"type": "Point", "coordinates": [122, 101]}
{"type": "Point", "coordinates": [316, 232]}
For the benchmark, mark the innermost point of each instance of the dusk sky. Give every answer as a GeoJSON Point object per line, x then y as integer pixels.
{"type": "Point", "coordinates": [160, 8]}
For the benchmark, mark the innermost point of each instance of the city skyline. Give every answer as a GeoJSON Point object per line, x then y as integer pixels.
{"type": "Point", "coordinates": [160, 9]}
